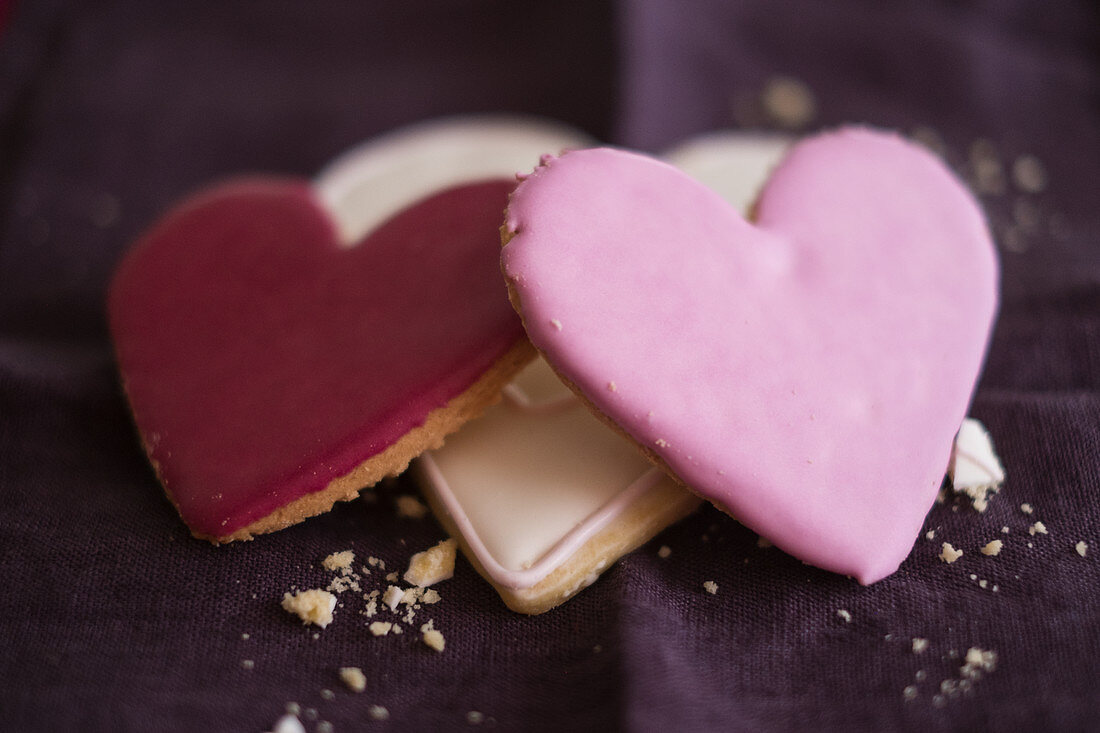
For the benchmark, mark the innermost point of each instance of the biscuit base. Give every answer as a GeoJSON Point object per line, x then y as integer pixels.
{"type": "Point", "coordinates": [666, 503]}
{"type": "Point", "coordinates": [396, 458]}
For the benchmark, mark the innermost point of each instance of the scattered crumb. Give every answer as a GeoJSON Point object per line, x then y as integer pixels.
{"type": "Point", "coordinates": [930, 534]}
{"type": "Point", "coordinates": [1037, 528]}
{"type": "Point", "coordinates": [293, 708]}
{"type": "Point", "coordinates": [909, 693]}
{"type": "Point", "coordinates": [988, 172]}
{"type": "Point", "coordinates": [993, 548]}
{"type": "Point", "coordinates": [555, 323]}
{"type": "Point", "coordinates": [1026, 508]}
{"type": "Point", "coordinates": [846, 615]}
{"type": "Point", "coordinates": [354, 678]}
{"type": "Point", "coordinates": [432, 637]}
{"type": "Point", "coordinates": [788, 102]}
{"type": "Point", "coordinates": [288, 724]}
{"type": "Point", "coordinates": [312, 606]}
{"type": "Point", "coordinates": [392, 597]}
{"type": "Point", "coordinates": [327, 694]}
{"type": "Point", "coordinates": [397, 629]}
{"type": "Point", "coordinates": [611, 386]}
{"type": "Point", "coordinates": [664, 551]}
{"type": "Point", "coordinates": [978, 661]}
{"type": "Point", "coordinates": [661, 443]}
{"type": "Point", "coordinates": [430, 596]}
{"type": "Point", "coordinates": [377, 712]}
{"type": "Point", "coordinates": [475, 718]}
{"type": "Point", "coordinates": [245, 636]}
{"type": "Point", "coordinates": [433, 565]}
{"type": "Point", "coordinates": [1081, 547]}
{"type": "Point", "coordinates": [410, 507]}
{"type": "Point", "coordinates": [310, 714]}
{"type": "Point", "coordinates": [710, 587]}
{"type": "Point", "coordinates": [983, 582]}
{"type": "Point", "coordinates": [919, 645]}
{"type": "Point", "coordinates": [248, 664]}
{"type": "Point", "coordinates": [376, 562]}
{"type": "Point", "coordinates": [391, 577]}
{"type": "Point", "coordinates": [324, 727]}
{"type": "Point", "coordinates": [1028, 174]}
{"type": "Point", "coordinates": [339, 561]}
{"type": "Point", "coordinates": [1004, 530]}
{"type": "Point", "coordinates": [920, 675]}
{"type": "Point", "coordinates": [380, 628]}
{"type": "Point", "coordinates": [949, 554]}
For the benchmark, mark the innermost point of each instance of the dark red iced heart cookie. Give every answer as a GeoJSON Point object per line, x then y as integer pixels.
{"type": "Point", "coordinates": [272, 372]}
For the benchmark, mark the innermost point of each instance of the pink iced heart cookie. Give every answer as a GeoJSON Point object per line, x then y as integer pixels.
{"type": "Point", "coordinates": [272, 372]}
{"type": "Point", "coordinates": [807, 372]}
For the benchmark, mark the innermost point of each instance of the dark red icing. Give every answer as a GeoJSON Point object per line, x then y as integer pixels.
{"type": "Point", "coordinates": [262, 361]}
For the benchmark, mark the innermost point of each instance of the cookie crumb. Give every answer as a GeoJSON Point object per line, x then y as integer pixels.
{"type": "Point", "coordinates": [661, 443]}
{"type": "Point", "coordinates": [844, 614]}
{"type": "Point", "coordinates": [919, 645]}
{"type": "Point", "coordinates": [475, 718]}
{"type": "Point", "coordinates": [909, 693]}
{"type": "Point", "coordinates": [376, 562]}
{"type": "Point", "coordinates": [710, 587]}
{"type": "Point", "coordinates": [339, 562]}
{"type": "Point", "coordinates": [930, 534]}
{"type": "Point", "coordinates": [788, 102]}
{"type": "Point", "coordinates": [324, 727]}
{"type": "Point", "coordinates": [312, 606]}
{"type": "Point", "coordinates": [664, 551]}
{"type": "Point", "coordinates": [1037, 528]}
{"type": "Point", "coordinates": [949, 554]}
{"type": "Point", "coordinates": [992, 548]}
{"type": "Point", "coordinates": [245, 636]}
{"type": "Point", "coordinates": [354, 678]}
{"type": "Point", "coordinates": [327, 694]}
{"type": "Point", "coordinates": [555, 323]}
{"type": "Point", "coordinates": [1028, 174]}
{"type": "Point", "coordinates": [1026, 508]}
{"type": "Point", "coordinates": [432, 637]}
{"type": "Point", "coordinates": [380, 628]}
{"type": "Point", "coordinates": [392, 597]}
{"type": "Point", "coordinates": [410, 507]}
{"type": "Point", "coordinates": [433, 565]}
{"type": "Point", "coordinates": [611, 386]}
{"type": "Point", "coordinates": [1004, 530]}
{"type": "Point", "coordinates": [977, 662]}
{"type": "Point", "coordinates": [248, 664]}
{"type": "Point", "coordinates": [377, 712]}
{"type": "Point", "coordinates": [430, 596]}
{"type": "Point", "coordinates": [1082, 547]}
{"type": "Point", "coordinates": [289, 723]}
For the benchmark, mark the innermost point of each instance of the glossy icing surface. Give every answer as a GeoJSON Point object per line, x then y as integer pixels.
{"type": "Point", "coordinates": [262, 361]}
{"type": "Point", "coordinates": [534, 478]}
{"type": "Point", "coordinates": [807, 373]}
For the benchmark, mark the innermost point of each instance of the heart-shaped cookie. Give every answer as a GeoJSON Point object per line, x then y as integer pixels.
{"type": "Point", "coordinates": [806, 373]}
{"type": "Point", "coordinates": [280, 352]}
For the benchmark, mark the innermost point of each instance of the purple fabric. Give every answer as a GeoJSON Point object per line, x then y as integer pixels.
{"type": "Point", "coordinates": [113, 619]}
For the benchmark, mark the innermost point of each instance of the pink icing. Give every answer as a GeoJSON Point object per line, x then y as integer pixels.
{"type": "Point", "coordinates": [807, 374]}
{"type": "Point", "coordinates": [262, 361]}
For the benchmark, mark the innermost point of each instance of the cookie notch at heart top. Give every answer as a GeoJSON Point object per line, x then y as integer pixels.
{"type": "Point", "coordinates": [808, 373]}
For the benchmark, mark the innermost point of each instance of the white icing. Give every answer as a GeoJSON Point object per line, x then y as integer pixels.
{"type": "Point", "coordinates": [533, 479]}
{"type": "Point", "coordinates": [370, 183]}
{"type": "Point", "coordinates": [974, 468]}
